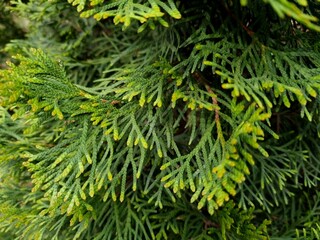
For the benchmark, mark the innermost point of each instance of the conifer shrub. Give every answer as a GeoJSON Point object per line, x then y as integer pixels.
{"type": "Point", "coordinates": [159, 119]}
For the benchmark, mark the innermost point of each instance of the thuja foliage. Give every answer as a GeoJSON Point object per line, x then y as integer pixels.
{"type": "Point", "coordinates": [149, 119]}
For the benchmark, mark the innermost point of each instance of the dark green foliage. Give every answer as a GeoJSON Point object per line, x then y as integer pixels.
{"type": "Point", "coordinates": [9, 29]}
{"type": "Point", "coordinates": [160, 120]}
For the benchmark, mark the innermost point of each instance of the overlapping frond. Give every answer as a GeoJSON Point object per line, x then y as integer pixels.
{"type": "Point", "coordinates": [207, 128]}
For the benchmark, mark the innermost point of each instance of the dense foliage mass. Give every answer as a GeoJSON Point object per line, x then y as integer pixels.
{"type": "Point", "coordinates": [159, 119]}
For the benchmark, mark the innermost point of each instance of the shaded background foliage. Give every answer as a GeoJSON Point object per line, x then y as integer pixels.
{"type": "Point", "coordinates": [159, 119]}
